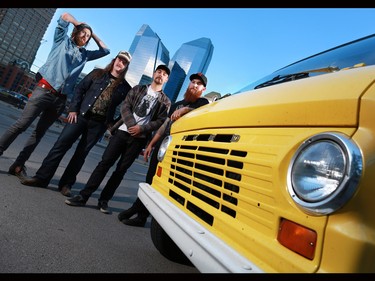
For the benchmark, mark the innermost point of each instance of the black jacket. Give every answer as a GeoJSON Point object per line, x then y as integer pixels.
{"type": "Point", "coordinates": [90, 88]}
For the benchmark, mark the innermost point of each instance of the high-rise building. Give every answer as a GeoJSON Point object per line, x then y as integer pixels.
{"type": "Point", "coordinates": [192, 57]}
{"type": "Point", "coordinates": [148, 52]}
{"type": "Point", "coordinates": [21, 33]}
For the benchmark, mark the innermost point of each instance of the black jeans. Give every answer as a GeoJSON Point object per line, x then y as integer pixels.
{"type": "Point", "coordinates": [153, 162]}
{"type": "Point", "coordinates": [122, 146]}
{"type": "Point", "coordinates": [138, 205]}
{"type": "Point", "coordinates": [90, 131]}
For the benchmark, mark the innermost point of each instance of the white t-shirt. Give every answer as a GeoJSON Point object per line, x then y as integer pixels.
{"type": "Point", "coordinates": [142, 111]}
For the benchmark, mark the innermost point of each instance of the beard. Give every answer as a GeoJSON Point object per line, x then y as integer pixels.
{"type": "Point", "coordinates": [158, 80]}
{"type": "Point", "coordinates": [191, 94]}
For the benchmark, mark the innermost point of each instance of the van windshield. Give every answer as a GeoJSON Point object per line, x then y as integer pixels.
{"type": "Point", "coordinates": [358, 52]}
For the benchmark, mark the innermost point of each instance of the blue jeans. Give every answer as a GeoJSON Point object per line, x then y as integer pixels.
{"type": "Point", "coordinates": [42, 103]}
{"type": "Point", "coordinates": [90, 131]}
{"type": "Point", "coordinates": [122, 146]}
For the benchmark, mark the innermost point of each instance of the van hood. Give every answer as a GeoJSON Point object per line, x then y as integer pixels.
{"type": "Point", "coordinates": [329, 100]}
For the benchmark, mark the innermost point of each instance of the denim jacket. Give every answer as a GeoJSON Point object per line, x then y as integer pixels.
{"type": "Point", "coordinates": [66, 60]}
{"type": "Point", "coordinates": [90, 88]}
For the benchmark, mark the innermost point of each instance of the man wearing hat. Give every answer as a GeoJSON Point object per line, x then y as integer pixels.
{"type": "Point", "coordinates": [192, 99]}
{"type": "Point", "coordinates": [91, 113]}
{"type": "Point", "coordinates": [144, 110]}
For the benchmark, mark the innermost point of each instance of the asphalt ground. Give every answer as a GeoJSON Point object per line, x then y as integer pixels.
{"type": "Point", "coordinates": [39, 233]}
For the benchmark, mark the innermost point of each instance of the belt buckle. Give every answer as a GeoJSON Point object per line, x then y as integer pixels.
{"type": "Point", "coordinates": [44, 86]}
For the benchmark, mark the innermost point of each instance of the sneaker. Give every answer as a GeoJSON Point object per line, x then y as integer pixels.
{"type": "Point", "coordinates": [103, 207]}
{"type": "Point", "coordinates": [76, 201]}
{"type": "Point", "coordinates": [18, 171]}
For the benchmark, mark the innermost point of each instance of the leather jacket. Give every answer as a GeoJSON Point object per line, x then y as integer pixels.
{"type": "Point", "coordinates": [132, 100]}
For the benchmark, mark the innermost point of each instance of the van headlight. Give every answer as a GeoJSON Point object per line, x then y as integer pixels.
{"type": "Point", "coordinates": [324, 173]}
{"type": "Point", "coordinates": [163, 147]}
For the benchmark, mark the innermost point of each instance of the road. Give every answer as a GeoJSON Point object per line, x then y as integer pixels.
{"type": "Point", "coordinates": [39, 233]}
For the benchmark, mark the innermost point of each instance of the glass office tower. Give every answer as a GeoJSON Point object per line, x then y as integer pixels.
{"type": "Point", "coordinates": [148, 52]}
{"type": "Point", "coordinates": [192, 57]}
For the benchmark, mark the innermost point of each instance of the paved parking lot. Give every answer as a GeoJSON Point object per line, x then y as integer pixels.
{"type": "Point", "coordinates": [39, 233]}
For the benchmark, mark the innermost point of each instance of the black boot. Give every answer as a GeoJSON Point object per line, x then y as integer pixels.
{"type": "Point", "coordinates": [127, 214]}
{"type": "Point", "coordinates": [141, 218]}
{"type": "Point", "coordinates": [139, 221]}
{"type": "Point", "coordinates": [142, 210]}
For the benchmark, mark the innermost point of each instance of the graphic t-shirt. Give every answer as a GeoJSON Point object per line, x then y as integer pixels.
{"type": "Point", "coordinates": [142, 111]}
{"type": "Point", "coordinates": [101, 105]}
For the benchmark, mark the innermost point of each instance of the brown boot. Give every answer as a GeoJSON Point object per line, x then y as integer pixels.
{"type": "Point", "coordinates": [18, 171]}
{"type": "Point", "coordinates": [34, 181]}
{"type": "Point", "coordinates": [66, 190]}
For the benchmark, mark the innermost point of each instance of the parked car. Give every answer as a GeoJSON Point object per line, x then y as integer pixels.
{"type": "Point", "coordinates": [14, 98]}
{"type": "Point", "coordinates": [20, 100]}
{"type": "Point", "coordinates": [278, 178]}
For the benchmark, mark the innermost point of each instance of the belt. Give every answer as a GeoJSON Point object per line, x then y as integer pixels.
{"type": "Point", "coordinates": [45, 85]}
{"type": "Point", "coordinates": [94, 116]}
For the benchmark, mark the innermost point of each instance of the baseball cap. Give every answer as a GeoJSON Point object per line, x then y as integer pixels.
{"type": "Point", "coordinates": [164, 67]}
{"type": "Point", "coordinates": [125, 55]}
{"type": "Point", "coordinates": [199, 76]}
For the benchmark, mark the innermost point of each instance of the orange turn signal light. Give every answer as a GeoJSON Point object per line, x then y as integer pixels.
{"type": "Point", "coordinates": [158, 171]}
{"type": "Point", "coordinates": [297, 238]}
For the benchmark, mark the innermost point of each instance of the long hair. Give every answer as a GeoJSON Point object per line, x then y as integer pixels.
{"type": "Point", "coordinates": [77, 29]}
{"type": "Point", "coordinates": [108, 69]}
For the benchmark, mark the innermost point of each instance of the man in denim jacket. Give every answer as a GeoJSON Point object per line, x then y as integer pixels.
{"type": "Point", "coordinates": [56, 79]}
{"type": "Point", "coordinates": [143, 112]}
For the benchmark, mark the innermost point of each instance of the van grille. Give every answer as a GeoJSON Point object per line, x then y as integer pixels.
{"type": "Point", "coordinates": [207, 172]}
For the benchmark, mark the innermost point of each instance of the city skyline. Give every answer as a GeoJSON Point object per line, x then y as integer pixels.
{"type": "Point", "coordinates": [148, 51]}
{"type": "Point", "coordinates": [249, 42]}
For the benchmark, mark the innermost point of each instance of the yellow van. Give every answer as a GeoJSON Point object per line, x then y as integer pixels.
{"type": "Point", "coordinates": [278, 178]}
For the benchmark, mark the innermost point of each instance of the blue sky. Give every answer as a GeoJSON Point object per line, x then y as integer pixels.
{"type": "Point", "coordinates": [249, 43]}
